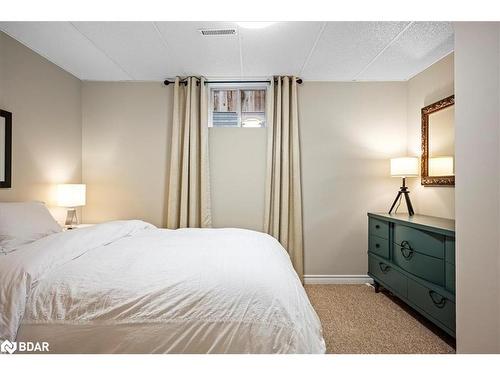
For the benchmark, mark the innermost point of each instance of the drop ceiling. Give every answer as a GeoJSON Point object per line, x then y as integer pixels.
{"type": "Point", "coordinates": [320, 51]}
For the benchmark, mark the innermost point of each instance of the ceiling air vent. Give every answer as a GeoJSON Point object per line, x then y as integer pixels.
{"type": "Point", "coordinates": [217, 32]}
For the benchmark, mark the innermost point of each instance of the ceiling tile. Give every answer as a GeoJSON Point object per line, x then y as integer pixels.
{"type": "Point", "coordinates": [202, 55]}
{"type": "Point", "coordinates": [66, 47]}
{"type": "Point", "coordinates": [345, 48]}
{"type": "Point", "coordinates": [136, 46]}
{"type": "Point", "coordinates": [421, 45]}
{"type": "Point", "coordinates": [281, 48]}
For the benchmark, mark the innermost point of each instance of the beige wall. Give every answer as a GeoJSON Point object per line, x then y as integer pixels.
{"type": "Point", "coordinates": [45, 102]}
{"type": "Point", "coordinates": [125, 150]}
{"type": "Point", "coordinates": [477, 134]}
{"type": "Point", "coordinates": [348, 132]}
{"type": "Point", "coordinates": [427, 87]}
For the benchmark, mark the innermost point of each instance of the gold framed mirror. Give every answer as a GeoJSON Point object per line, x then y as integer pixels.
{"type": "Point", "coordinates": [438, 143]}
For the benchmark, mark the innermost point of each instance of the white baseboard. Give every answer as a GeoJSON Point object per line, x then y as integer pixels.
{"type": "Point", "coordinates": [337, 279]}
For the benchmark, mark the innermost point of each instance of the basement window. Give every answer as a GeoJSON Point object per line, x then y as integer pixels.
{"type": "Point", "coordinates": [237, 106]}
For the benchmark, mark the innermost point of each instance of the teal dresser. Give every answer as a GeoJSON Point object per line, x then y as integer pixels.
{"type": "Point", "coordinates": [414, 258]}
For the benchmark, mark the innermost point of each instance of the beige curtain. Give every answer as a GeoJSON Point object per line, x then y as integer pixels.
{"type": "Point", "coordinates": [188, 201]}
{"type": "Point", "coordinates": [283, 215]}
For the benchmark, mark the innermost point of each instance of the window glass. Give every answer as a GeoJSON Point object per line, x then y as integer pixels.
{"type": "Point", "coordinates": [238, 107]}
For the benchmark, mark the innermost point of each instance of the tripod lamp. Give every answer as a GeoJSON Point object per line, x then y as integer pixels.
{"type": "Point", "coordinates": [404, 167]}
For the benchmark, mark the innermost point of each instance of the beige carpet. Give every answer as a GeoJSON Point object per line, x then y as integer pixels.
{"type": "Point", "coordinates": [355, 319]}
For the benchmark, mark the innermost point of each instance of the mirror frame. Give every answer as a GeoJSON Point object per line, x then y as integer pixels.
{"type": "Point", "coordinates": [425, 179]}
{"type": "Point", "coordinates": [8, 149]}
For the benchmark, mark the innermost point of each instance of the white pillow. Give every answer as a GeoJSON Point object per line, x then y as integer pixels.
{"type": "Point", "coordinates": [24, 222]}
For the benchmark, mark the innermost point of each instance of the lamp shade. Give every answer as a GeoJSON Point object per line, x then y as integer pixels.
{"type": "Point", "coordinates": [404, 167]}
{"type": "Point", "coordinates": [71, 195]}
{"type": "Point", "coordinates": [441, 166]}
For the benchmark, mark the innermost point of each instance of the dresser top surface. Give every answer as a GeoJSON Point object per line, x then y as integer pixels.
{"type": "Point", "coordinates": [419, 220]}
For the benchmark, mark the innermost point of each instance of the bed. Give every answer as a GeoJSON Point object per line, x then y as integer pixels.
{"type": "Point", "coordinates": [129, 287]}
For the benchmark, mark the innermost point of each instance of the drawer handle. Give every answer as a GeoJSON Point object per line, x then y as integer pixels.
{"type": "Point", "coordinates": [377, 226]}
{"type": "Point", "coordinates": [438, 303]}
{"type": "Point", "coordinates": [406, 250]}
{"type": "Point", "coordinates": [384, 267]}
{"type": "Point", "coordinates": [377, 245]}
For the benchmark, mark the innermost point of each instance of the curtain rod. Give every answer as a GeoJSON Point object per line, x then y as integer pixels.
{"type": "Point", "coordinates": [168, 82]}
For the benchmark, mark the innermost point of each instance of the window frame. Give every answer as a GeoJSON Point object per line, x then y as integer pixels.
{"type": "Point", "coordinates": [239, 87]}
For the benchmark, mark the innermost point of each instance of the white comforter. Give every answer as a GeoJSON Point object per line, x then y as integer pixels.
{"type": "Point", "coordinates": [128, 287]}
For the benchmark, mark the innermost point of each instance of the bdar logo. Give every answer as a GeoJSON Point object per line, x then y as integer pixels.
{"type": "Point", "coordinates": [23, 346]}
{"type": "Point", "coordinates": [8, 347]}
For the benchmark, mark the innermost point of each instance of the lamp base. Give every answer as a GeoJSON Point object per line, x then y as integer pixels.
{"type": "Point", "coordinates": [404, 190]}
{"type": "Point", "coordinates": [71, 218]}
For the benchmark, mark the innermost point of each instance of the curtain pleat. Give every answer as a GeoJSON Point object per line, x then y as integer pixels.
{"type": "Point", "coordinates": [283, 201]}
{"type": "Point", "coordinates": [188, 196]}
{"type": "Point", "coordinates": [205, 193]}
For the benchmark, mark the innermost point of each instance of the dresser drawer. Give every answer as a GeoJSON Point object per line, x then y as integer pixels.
{"type": "Point", "coordinates": [388, 275]}
{"type": "Point", "coordinates": [421, 265]}
{"type": "Point", "coordinates": [378, 228]}
{"type": "Point", "coordinates": [379, 246]}
{"type": "Point", "coordinates": [424, 242]}
{"type": "Point", "coordinates": [434, 304]}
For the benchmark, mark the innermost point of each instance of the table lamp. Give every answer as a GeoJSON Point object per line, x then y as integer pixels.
{"type": "Point", "coordinates": [404, 167]}
{"type": "Point", "coordinates": [71, 196]}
